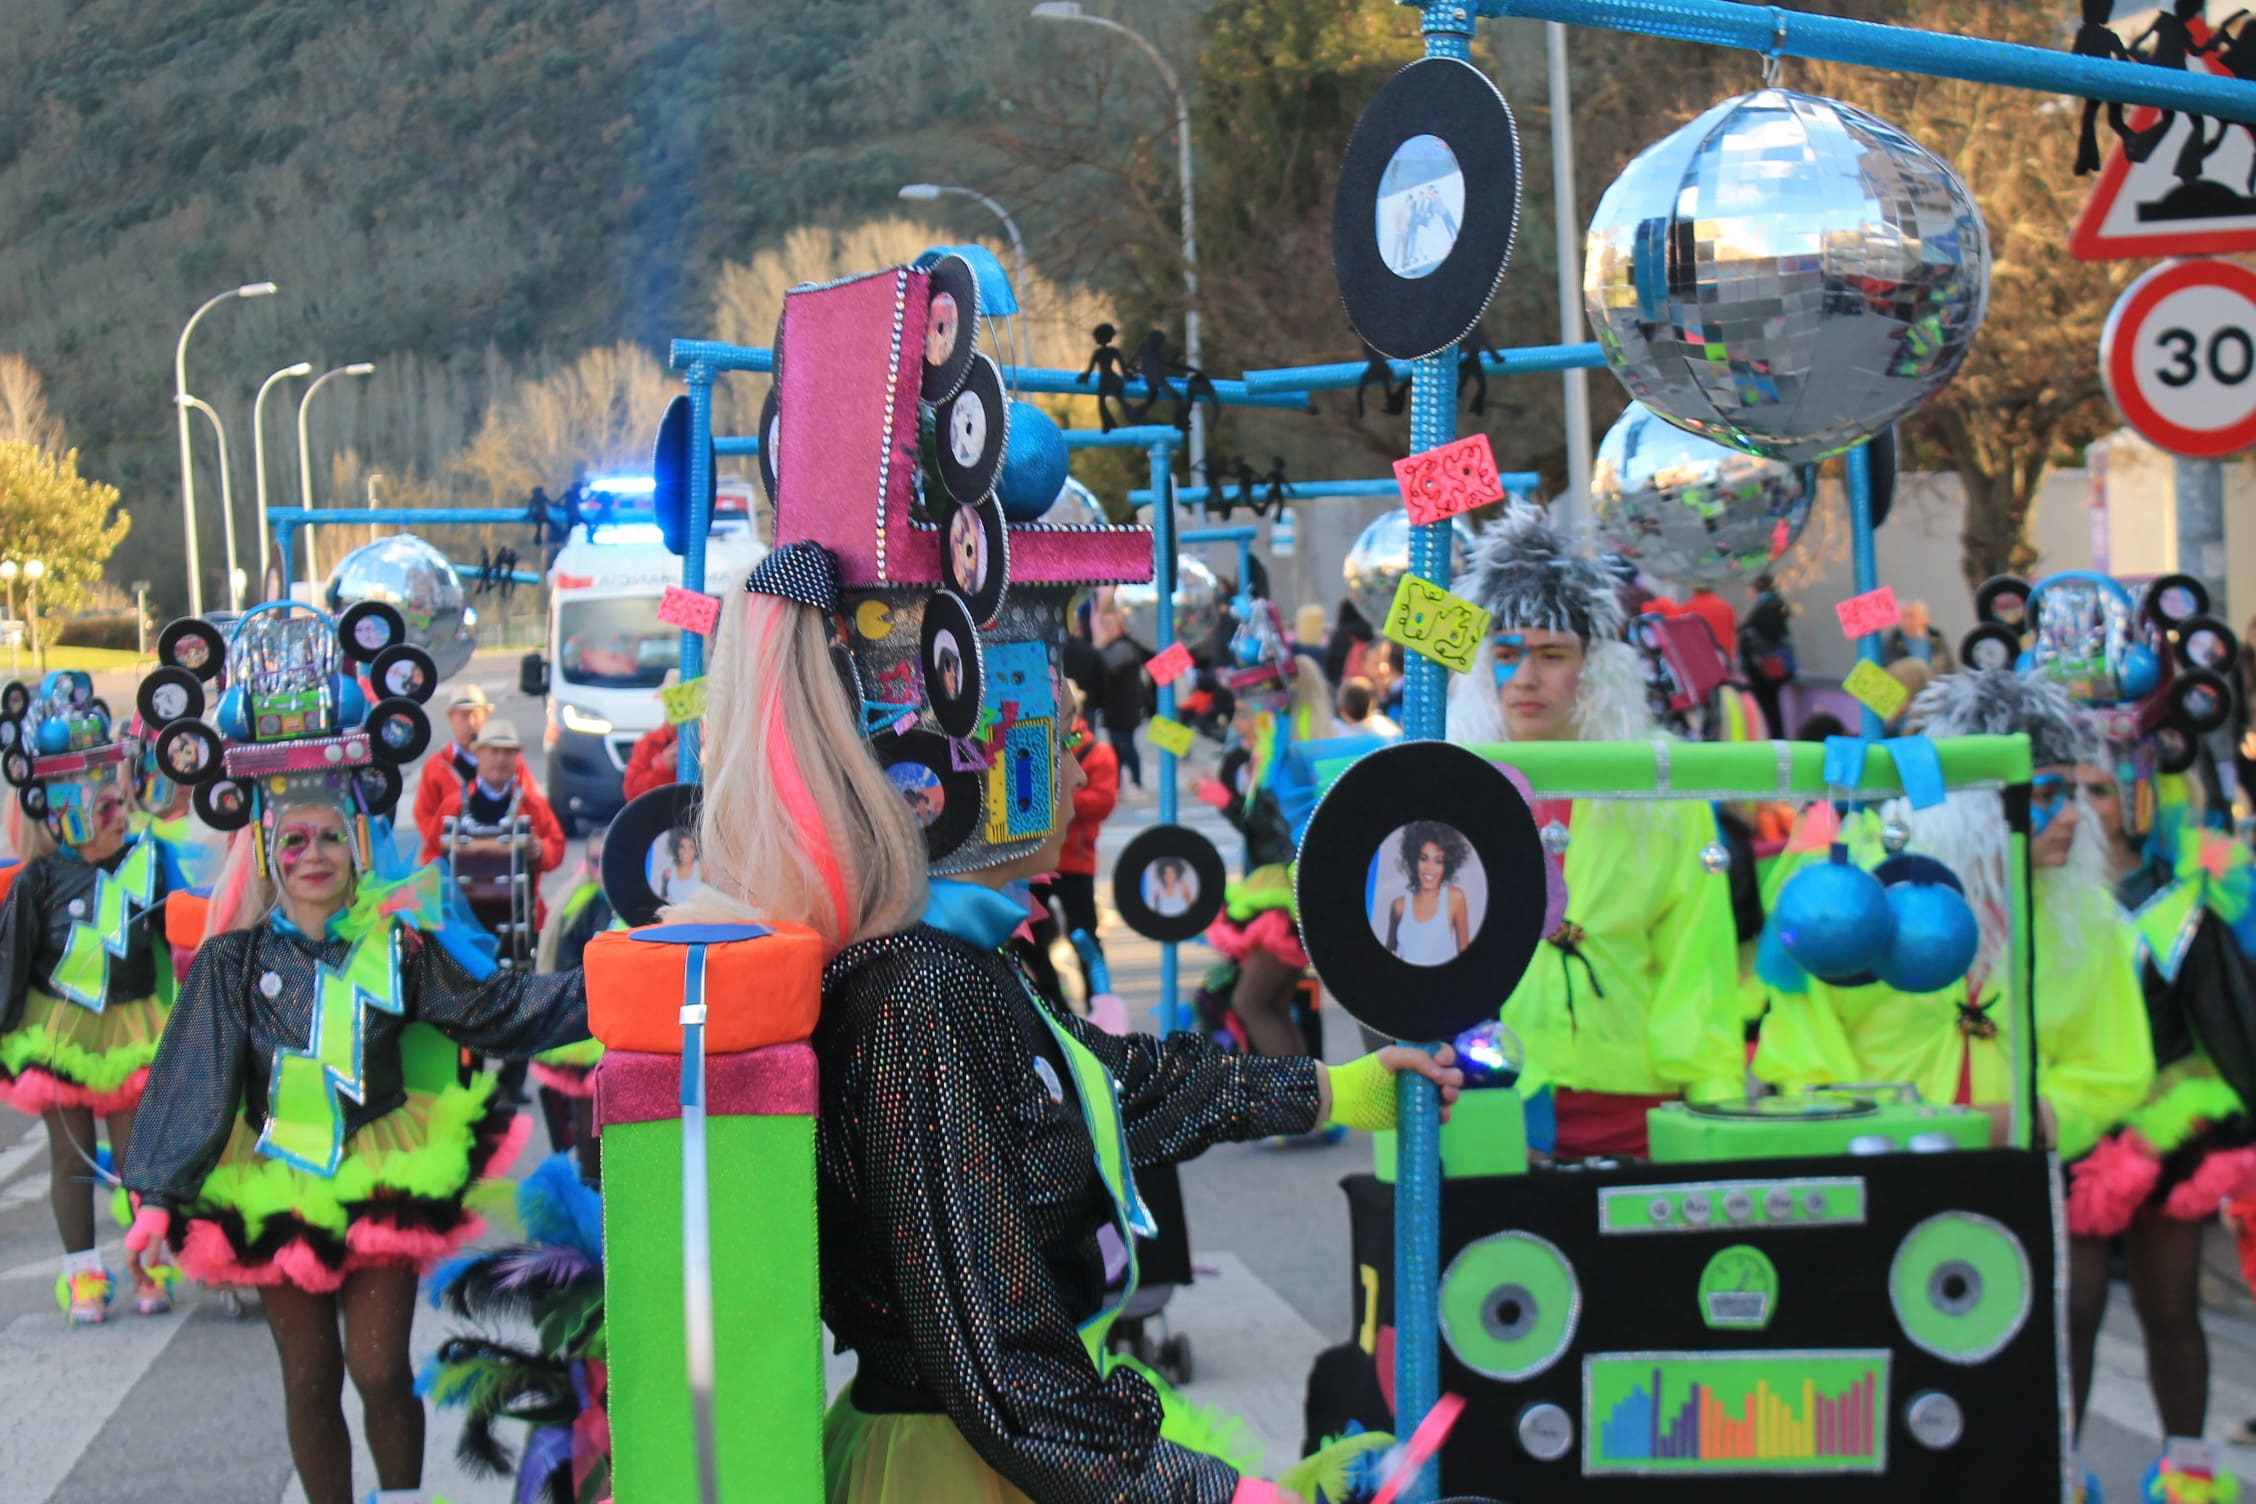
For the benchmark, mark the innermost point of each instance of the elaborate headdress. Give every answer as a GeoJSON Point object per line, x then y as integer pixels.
{"type": "Point", "coordinates": [890, 433]}
{"type": "Point", "coordinates": [58, 751]}
{"type": "Point", "coordinates": [293, 723]}
{"type": "Point", "coordinates": [2001, 702]}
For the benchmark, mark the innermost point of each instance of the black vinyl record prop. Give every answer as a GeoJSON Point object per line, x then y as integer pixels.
{"type": "Point", "coordinates": [1990, 645]}
{"type": "Point", "coordinates": [1375, 833]}
{"type": "Point", "coordinates": [1429, 200]}
{"type": "Point", "coordinates": [2205, 642]}
{"type": "Point", "coordinates": [648, 819]}
{"type": "Point", "coordinates": [771, 424]}
{"type": "Point", "coordinates": [2004, 599]}
{"type": "Point", "coordinates": [194, 644]}
{"type": "Point", "coordinates": [1169, 883]}
{"type": "Point", "coordinates": [2200, 701]}
{"type": "Point", "coordinates": [976, 556]}
{"type": "Point", "coordinates": [2176, 599]}
{"type": "Point", "coordinates": [951, 328]}
{"type": "Point", "coordinates": [169, 694]}
{"type": "Point", "coordinates": [943, 800]}
{"type": "Point", "coordinates": [368, 627]}
{"type": "Point", "coordinates": [955, 675]}
{"type": "Point", "coordinates": [972, 431]}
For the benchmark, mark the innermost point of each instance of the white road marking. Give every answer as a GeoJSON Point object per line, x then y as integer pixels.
{"type": "Point", "coordinates": [76, 1378]}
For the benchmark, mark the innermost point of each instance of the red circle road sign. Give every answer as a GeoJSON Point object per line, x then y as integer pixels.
{"type": "Point", "coordinates": [2179, 357]}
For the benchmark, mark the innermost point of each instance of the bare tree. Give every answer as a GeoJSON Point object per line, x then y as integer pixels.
{"type": "Point", "coordinates": [596, 414]}
{"type": "Point", "coordinates": [23, 405]}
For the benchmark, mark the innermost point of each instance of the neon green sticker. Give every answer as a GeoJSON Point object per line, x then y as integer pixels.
{"type": "Point", "coordinates": [83, 975]}
{"type": "Point", "coordinates": [1739, 1290]}
{"type": "Point", "coordinates": [305, 1124]}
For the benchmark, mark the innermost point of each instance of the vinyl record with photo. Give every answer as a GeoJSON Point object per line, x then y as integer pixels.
{"type": "Point", "coordinates": [976, 554]}
{"type": "Point", "coordinates": [1421, 890]}
{"type": "Point", "coordinates": [1428, 202]}
{"type": "Point", "coordinates": [943, 799]}
{"type": "Point", "coordinates": [971, 433]}
{"type": "Point", "coordinates": [949, 653]}
{"type": "Point", "coordinates": [771, 424]}
{"type": "Point", "coordinates": [647, 819]}
{"type": "Point", "coordinates": [1169, 883]}
{"type": "Point", "coordinates": [951, 328]}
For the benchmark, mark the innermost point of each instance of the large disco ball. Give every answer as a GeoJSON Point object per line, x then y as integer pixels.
{"type": "Point", "coordinates": [1787, 274]}
{"type": "Point", "coordinates": [1380, 557]}
{"type": "Point", "coordinates": [417, 578]}
{"type": "Point", "coordinates": [1198, 604]}
{"type": "Point", "coordinates": [1688, 509]}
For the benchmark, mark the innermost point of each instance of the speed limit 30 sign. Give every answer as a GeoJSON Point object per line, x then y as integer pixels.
{"type": "Point", "coordinates": [2179, 357]}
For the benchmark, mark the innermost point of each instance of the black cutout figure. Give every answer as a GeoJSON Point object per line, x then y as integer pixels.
{"type": "Point", "coordinates": [1469, 370]}
{"type": "Point", "coordinates": [2171, 32]}
{"type": "Point", "coordinates": [1376, 368]}
{"type": "Point", "coordinates": [1110, 367]}
{"type": "Point", "coordinates": [1153, 365]}
{"type": "Point", "coordinates": [1277, 483]}
{"type": "Point", "coordinates": [575, 497]}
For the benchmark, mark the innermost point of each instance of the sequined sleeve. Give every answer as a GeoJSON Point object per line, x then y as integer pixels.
{"type": "Point", "coordinates": [1180, 1095]}
{"type": "Point", "coordinates": [196, 1083]}
{"type": "Point", "coordinates": [512, 1013]}
{"type": "Point", "coordinates": [21, 925]}
{"type": "Point", "coordinates": [943, 1198]}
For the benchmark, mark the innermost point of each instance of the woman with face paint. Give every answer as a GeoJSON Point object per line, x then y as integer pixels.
{"type": "Point", "coordinates": [85, 977]}
{"type": "Point", "coordinates": [290, 1137]}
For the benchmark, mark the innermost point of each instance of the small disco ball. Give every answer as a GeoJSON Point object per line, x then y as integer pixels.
{"type": "Point", "coordinates": [1786, 274]}
{"type": "Point", "coordinates": [1198, 603]}
{"type": "Point", "coordinates": [412, 575]}
{"type": "Point", "coordinates": [1685, 508]}
{"type": "Point", "coordinates": [1076, 506]}
{"type": "Point", "coordinates": [1490, 1054]}
{"type": "Point", "coordinates": [1380, 557]}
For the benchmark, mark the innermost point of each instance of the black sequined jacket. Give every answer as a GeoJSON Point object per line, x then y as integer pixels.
{"type": "Point", "coordinates": [35, 929]}
{"type": "Point", "coordinates": [227, 1023]}
{"type": "Point", "coordinates": [960, 1205]}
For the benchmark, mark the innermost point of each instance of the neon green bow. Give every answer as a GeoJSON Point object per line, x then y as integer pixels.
{"type": "Point", "coordinates": [2210, 871]}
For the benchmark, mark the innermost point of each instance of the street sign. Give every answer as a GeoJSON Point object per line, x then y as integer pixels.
{"type": "Point", "coordinates": [2141, 210]}
{"type": "Point", "coordinates": [2179, 357]}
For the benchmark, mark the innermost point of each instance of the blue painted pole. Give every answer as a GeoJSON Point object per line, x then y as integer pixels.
{"type": "Point", "coordinates": [285, 533]}
{"type": "Point", "coordinates": [1528, 360]}
{"type": "Point", "coordinates": [1866, 565]}
{"type": "Point", "coordinates": [700, 376]}
{"type": "Point", "coordinates": [734, 444]}
{"type": "Point", "coordinates": [1163, 569]}
{"type": "Point", "coordinates": [1143, 436]}
{"type": "Point", "coordinates": [720, 357]}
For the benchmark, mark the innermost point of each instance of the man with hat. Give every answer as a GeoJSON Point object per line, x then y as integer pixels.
{"type": "Point", "coordinates": [454, 764]}
{"type": "Point", "coordinates": [498, 787]}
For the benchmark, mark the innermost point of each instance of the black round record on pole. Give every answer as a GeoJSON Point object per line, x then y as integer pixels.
{"type": "Point", "coordinates": [648, 819]}
{"type": "Point", "coordinates": [1421, 890]}
{"type": "Point", "coordinates": [1169, 883]}
{"type": "Point", "coordinates": [975, 554]}
{"type": "Point", "coordinates": [943, 800]}
{"type": "Point", "coordinates": [1428, 203]}
{"type": "Point", "coordinates": [948, 651]}
{"type": "Point", "coordinates": [951, 327]}
{"type": "Point", "coordinates": [971, 432]}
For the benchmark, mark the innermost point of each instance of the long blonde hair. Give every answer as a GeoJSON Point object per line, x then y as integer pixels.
{"type": "Point", "coordinates": [29, 838]}
{"type": "Point", "coordinates": [799, 824]}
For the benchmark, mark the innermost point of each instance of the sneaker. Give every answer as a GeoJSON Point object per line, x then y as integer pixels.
{"type": "Point", "coordinates": [85, 1297]}
{"type": "Point", "coordinates": [154, 1298]}
{"type": "Point", "coordinates": [231, 1302]}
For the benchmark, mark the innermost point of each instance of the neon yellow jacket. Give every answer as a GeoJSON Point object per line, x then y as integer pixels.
{"type": "Point", "coordinates": [1658, 936]}
{"type": "Point", "coordinates": [2095, 1053]}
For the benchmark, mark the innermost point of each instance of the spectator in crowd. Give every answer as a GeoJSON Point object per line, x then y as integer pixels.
{"type": "Point", "coordinates": [1084, 665]}
{"type": "Point", "coordinates": [1912, 674]}
{"type": "Point", "coordinates": [1122, 703]}
{"type": "Point", "coordinates": [1350, 639]}
{"type": "Point", "coordinates": [1359, 714]}
{"type": "Point", "coordinates": [1716, 612]}
{"type": "Point", "coordinates": [1308, 633]}
{"type": "Point", "coordinates": [454, 764]}
{"type": "Point", "coordinates": [1818, 727]}
{"type": "Point", "coordinates": [1382, 665]}
{"type": "Point", "coordinates": [1766, 646]}
{"type": "Point", "coordinates": [1914, 637]}
{"type": "Point", "coordinates": [652, 764]}
{"type": "Point", "coordinates": [1074, 885]}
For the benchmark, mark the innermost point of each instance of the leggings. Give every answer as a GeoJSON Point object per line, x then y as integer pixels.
{"type": "Point", "coordinates": [70, 1179]}
{"type": "Point", "coordinates": [1263, 1001]}
{"type": "Point", "coordinates": [378, 1310]}
{"type": "Point", "coordinates": [2166, 1293]}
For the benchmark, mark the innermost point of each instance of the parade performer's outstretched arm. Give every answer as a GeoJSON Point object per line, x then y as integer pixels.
{"type": "Point", "coordinates": [1180, 1095]}
{"type": "Point", "coordinates": [513, 1013]}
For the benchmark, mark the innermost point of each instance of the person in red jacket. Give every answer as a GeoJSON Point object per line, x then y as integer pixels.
{"type": "Point", "coordinates": [1074, 884]}
{"type": "Point", "coordinates": [486, 799]}
{"type": "Point", "coordinates": [651, 765]}
{"type": "Point", "coordinates": [446, 770]}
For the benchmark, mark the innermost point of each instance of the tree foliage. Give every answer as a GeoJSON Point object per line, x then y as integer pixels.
{"type": "Point", "coordinates": [49, 512]}
{"type": "Point", "coordinates": [596, 415]}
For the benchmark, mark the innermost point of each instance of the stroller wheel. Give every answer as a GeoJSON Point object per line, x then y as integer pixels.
{"type": "Point", "coordinates": [1175, 1358]}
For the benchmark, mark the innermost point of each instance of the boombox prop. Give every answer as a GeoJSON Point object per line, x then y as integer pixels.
{"type": "Point", "coordinates": [1845, 1291]}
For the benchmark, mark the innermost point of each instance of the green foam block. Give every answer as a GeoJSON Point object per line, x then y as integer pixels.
{"type": "Point", "coordinates": [768, 1370]}
{"type": "Point", "coordinates": [1486, 1135]}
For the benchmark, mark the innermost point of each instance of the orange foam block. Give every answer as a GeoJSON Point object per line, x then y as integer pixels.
{"type": "Point", "coordinates": [763, 985]}
{"type": "Point", "coordinates": [185, 912]}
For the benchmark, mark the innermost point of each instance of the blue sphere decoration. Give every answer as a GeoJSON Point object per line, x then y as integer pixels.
{"type": "Point", "coordinates": [1834, 920]}
{"type": "Point", "coordinates": [352, 705]}
{"type": "Point", "coordinates": [1490, 1054]}
{"type": "Point", "coordinates": [1935, 938]}
{"type": "Point", "coordinates": [54, 735]}
{"type": "Point", "coordinates": [1034, 466]}
{"type": "Point", "coordinates": [234, 724]}
{"type": "Point", "coordinates": [2141, 672]}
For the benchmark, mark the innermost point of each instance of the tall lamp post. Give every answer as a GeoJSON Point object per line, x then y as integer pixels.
{"type": "Point", "coordinates": [1070, 10]}
{"type": "Point", "coordinates": [226, 501]}
{"type": "Point", "coordinates": [305, 455]}
{"type": "Point", "coordinates": [35, 570]}
{"type": "Point", "coordinates": [926, 192]}
{"type": "Point", "coordinates": [187, 452]}
{"type": "Point", "coordinates": [258, 454]}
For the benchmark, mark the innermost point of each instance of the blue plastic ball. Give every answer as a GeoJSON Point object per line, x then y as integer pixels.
{"type": "Point", "coordinates": [54, 735]}
{"type": "Point", "coordinates": [234, 724]}
{"type": "Point", "coordinates": [2141, 672]}
{"type": "Point", "coordinates": [1834, 919]}
{"type": "Point", "coordinates": [1034, 466]}
{"type": "Point", "coordinates": [1935, 938]}
{"type": "Point", "coordinates": [1490, 1054]}
{"type": "Point", "coordinates": [352, 705]}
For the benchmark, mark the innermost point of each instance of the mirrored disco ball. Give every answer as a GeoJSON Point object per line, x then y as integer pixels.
{"type": "Point", "coordinates": [1380, 557]}
{"type": "Point", "coordinates": [1787, 274]}
{"type": "Point", "coordinates": [1687, 509]}
{"type": "Point", "coordinates": [1198, 603]}
{"type": "Point", "coordinates": [1076, 506]}
{"type": "Point", "coordinates": [417, 578]}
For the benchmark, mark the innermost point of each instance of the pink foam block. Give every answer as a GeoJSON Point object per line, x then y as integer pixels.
{"type": "Point", "coordinates": [634, 1087]}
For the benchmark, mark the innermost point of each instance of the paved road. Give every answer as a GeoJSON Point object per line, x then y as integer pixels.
{"type": "Point", "coordinates": [188, 1407]}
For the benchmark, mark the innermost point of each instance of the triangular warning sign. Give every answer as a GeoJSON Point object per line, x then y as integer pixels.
{"type": "Point", "coordinates": [2141, 210]}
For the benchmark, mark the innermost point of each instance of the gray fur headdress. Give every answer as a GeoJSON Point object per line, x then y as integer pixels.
{"type": "Point", "coordinates": [1530, 574]}
{"type": "Point", "coordinates": [2000, 702]}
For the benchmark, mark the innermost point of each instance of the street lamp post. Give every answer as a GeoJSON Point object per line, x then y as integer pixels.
{"type": "Point", "coordinates": [305, 456]}
{"type": "Point", "coordinates": [35, 570]}
{"type": "Point", "coordinates": [1070, 10]}
{"type": "Point", "coordinates": [226, 500]}
{"type": "Point", "coordinates": [258, 452]}
{"type": "Point", "coordinates": [926, 192]}
{"type": "Point", "coordinates": [187, 452]}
